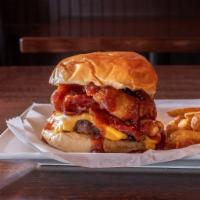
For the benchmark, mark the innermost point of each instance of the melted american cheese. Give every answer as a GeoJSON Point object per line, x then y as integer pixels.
{"type": "Point", "coordinates": [149, 143]}
{"type": "Point", "coordinates": [66, 124]}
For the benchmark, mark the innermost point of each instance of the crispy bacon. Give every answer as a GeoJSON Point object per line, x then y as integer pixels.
{"type": "Point", "coordinates": [152, 128]}
{"type": "Point", "coordinates": [58, 96]}
{"type": "Point", "coordinates": [103, 117]}
{"type": "Point", "coordinates": [77, 104]}
{"type": "Point", "coordinates": [119, 109]}
{"type": "Point", "coordinates": [91, 89]}
{"type": "Point", "coordinates": [116, 102]}
{"type": "Point", "coordinates": [147, 106]}
{"type": "Point", "coordinates": [122, 104]}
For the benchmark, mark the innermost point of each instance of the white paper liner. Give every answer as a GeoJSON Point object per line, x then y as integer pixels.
{"type": "Point", "coordinates": [27, 129]}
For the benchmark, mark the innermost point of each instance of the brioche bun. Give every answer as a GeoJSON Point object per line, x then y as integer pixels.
{"type": "Point", "coordinates": [117, 69]}
{"type": "Point", "coordinates": [77, 142]}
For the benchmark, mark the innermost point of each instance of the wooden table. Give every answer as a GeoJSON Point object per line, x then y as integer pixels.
{"type": "Point", "coordinates": [20, 86]}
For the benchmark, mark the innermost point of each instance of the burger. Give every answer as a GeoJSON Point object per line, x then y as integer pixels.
{"type": "Point", "coordinates": [104, 102]}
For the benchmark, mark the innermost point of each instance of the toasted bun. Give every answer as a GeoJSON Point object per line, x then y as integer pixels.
{"type": "Point", "coordinates": [76, 142]}
{"type": "Point", "coordinates": [117, 69]}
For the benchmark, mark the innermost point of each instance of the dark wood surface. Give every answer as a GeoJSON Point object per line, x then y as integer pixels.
{"type": "Point", "coordinates": [142, 34]}
{"type": "Point", "coordinates": [84, 44]}
{"type": "Point", "coordinates": [20, 86]}
{"type": "Point", "coordinates": [126, 184]}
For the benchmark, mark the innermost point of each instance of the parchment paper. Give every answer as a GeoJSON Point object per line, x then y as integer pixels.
{"type": "Point", "coordinates": [28, 131]}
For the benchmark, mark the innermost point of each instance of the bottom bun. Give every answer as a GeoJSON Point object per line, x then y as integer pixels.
{"type": "Point", "coordinates": [77, 142]}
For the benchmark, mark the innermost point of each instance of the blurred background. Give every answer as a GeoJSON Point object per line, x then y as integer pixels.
{"type": "Point", "coordinates": [41, 32]}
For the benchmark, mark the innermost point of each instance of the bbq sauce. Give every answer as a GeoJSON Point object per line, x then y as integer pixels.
{"type": "Point", "coordinates": [76, 104]}
{"type": "Point", "coordinates": [58, 96]}
{"type": "Point", "coordinates": [103, 117]}
{"type": "Point", "coordinates": [49, 126]}
{"type": "Point", "coordinates": [97, 145]}
{"type": "Point", "coordinates": [161, 144]}
{"type": "Point", "coordinates": [85, 126]}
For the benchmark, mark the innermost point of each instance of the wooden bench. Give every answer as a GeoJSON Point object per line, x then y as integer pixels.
{"type": "Point", "coordinates": [139, 44]}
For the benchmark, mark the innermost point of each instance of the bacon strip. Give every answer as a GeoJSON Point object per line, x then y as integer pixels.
{"type": "Point", "coordinates": [109, 106]}
{"type": "Point", "coordinates": [77, 104]}
{"type": "Point", "coordinates": [131, 106]}
{"type": "Point", "coordinates": [58, 96]}
{"type": "Point", "coordinates": [103, 117]}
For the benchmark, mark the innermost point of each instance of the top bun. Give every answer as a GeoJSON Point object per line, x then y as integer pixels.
{"type": "Point", "coordinates": [117, 69]}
